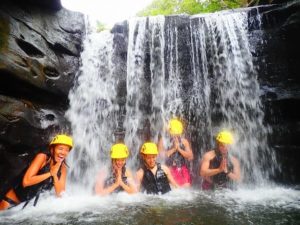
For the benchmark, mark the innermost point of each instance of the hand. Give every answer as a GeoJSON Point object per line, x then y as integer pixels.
{"type": "Point", "coordinates": [176, 143]}
{"type": "Point", "coordinates": [118, 177]}
{"type": "Point", "coordinates": [54, 169]}
{"type": "Point", "coordinates": [223, 165]}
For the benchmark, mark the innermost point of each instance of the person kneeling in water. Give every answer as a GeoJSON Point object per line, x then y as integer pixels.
{"type": "Point", "coordinates": [179, 153]}
{"type": "Point", "coordinates": [119, 178]}
{"type": "Point", "coordinates": [44, 172]}
{"type": "Point", "coordinates": [152, 177]}
{"type": "Point", "coordinates": [219, 169]}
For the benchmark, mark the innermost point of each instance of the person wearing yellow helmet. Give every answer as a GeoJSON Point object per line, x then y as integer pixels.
{"type": "Point", "coordinates": [119, 178]}
{"type": "Point", "coordinates": [178, 153]}
{"type": "Point", "coordinates": [218, 169]}
{"type": "Point", "coordinates": [152, 177]}
{"type": "Point", "coordinates": [44, 172]}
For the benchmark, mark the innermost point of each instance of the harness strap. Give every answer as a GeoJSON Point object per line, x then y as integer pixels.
{"type": "Point", "coordinates": [10, 201]}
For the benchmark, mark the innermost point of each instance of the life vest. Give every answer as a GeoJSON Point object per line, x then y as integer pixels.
{"type": "Point", "coordinates": [220, 179]}
{"type": "Point", "coordinates": [112, 179]}
{"type": "Point", "coordinates": [176, 159]}
{"type": "Point", "coordinates": [25, 194]}
{"type": "Point", "coordinates": [158, 184]}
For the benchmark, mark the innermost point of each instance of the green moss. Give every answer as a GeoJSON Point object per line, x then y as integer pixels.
{"type": "Point", "coordinates": [4, 32]}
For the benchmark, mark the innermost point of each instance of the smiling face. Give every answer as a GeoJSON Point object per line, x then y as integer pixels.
{"type": "Point", "coordinates": [118, 163]}
{"type": "Point", "coordinates": [223, 148]}
{"type": "Point", "coordinates": [150, 160]}
{"type": "Point", "coordinates": [60, 152]}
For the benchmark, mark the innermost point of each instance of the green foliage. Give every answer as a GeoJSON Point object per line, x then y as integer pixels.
{"type": "Point", "coordinates": [191, 7]}
{"type": "Point", "coordinates": [100, 26]}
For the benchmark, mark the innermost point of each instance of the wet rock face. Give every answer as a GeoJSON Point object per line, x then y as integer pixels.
{"type": "Point", "coordinates": [40, 45]}
{"type": "Point", "coordinates": [277, 59]}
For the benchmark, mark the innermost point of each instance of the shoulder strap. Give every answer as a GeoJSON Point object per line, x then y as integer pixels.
{"type": "Point", "coordinates": [158, 166]}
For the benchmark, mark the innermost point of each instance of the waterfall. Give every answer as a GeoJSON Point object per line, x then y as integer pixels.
{"type": "Point", "coordinates": [93, 109]}
{"type": "Point", "coordinates": [198, 68]}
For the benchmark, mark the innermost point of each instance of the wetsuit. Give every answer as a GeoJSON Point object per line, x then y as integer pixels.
{"type": "Point", "coordinates": [219, 180]}
{"type": "Point", "coordinates": [158, 184]}
{"type": "Point", "coordinates": [25, 194]}
{"type": "Point", "coordinates": [112, 179]}
{"type": "Point", "coordinates": [179, 166]}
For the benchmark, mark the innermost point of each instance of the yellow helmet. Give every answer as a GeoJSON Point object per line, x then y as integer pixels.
{"type": "Point", "coordinates": [175, 127]}
{"type": "Point", "coordinates": [63, 140]}
{"type": "Point", "coordinates": [149, 148]}
{"type": "Point", "coordinates": [225, 137]}
{"type": "Point", "coordinates": [119, 151]}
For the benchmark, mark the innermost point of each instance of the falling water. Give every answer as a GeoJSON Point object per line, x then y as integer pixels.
{"type": "Point", "coordinates": [93, 109]}
{"type": "Point", "coordinates": [230, 97]}
{"type": "Point", "coordinates": [198, 68]}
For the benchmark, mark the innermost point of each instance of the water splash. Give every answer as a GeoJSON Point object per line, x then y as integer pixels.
{"type": "Point", "coordinates": [93, 109]}
{"type": "Point", "coordinates": [199, 68]}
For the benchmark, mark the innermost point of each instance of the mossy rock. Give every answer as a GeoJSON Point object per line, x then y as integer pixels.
{"type": "Point", "coordinates": [4, 33]}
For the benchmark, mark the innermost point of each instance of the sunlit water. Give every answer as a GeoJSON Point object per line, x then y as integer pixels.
{"type": "Point", "coordinates": [112, 96]}
{"type": "Point", "coordinates": [268, 205]}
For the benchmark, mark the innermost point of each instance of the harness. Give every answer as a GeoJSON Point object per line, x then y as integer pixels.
{"type": "Point", "coordinates": [176, 159]}
{"type": "Point", "coordinates": [155, 184]}
{"type": "Point", "coordinates": [220, 180]}
{"type": "Point", "coordinates": [112, 179]}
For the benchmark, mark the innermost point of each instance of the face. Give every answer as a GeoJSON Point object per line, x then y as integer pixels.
{"type": "Point", "coordinates": [223, 148]}
{"type": "Point", "coordinates": [118, 163]}
{"type": "Point", "coordinates": [60, 152]}
{"type": "Point", "coordinates": [150, 160]}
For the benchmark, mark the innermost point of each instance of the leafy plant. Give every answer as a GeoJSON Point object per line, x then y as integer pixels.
{"type": "Point", "coordinates": [191, 7]}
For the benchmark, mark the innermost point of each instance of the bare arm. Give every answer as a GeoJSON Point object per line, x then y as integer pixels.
{"type": "Point", "coordinates": [169, 176]}
{"type": "Point", "coordinates": [31, 177]}
{"type": "Point", "coordinates": [205, 171]}
{"type": "Point", "coordinates": [99, 188]}
{"type": "Point", "coordinates": [139, 178]}
{"type": "Point", "coordinates": [130, 187]}
{"type": "Point", "coordinates": [60, 183]}
{"type": "Point", "coordinates": [235, 175]}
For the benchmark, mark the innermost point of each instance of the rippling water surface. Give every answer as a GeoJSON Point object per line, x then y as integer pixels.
{"type": "Point", "coordinates": [267, 205]}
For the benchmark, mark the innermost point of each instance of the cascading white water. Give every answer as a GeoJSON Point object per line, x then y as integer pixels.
{"type": "Point", "coordinates": [215, 87]}
{"type": "Point", "coordinates": [135, 84]}
{"type": "Point", "coordinates": [93, 109]}
{"type": "Point", "coordinates": [226, 65]}
{"type": "Point", "coordinates": [219, 91]}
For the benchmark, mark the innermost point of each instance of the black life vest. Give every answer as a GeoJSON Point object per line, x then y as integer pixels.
{"type": "Point", "coordinates": [158, 184]}
{"type": "Point", "coordinates": [112, 179]}
{"type": "Point", "coordinates": [220, 179]}
{"type": "Point", "coordinates": [176, 159]}
{"type": "Point", "coordinates": [29, 192]}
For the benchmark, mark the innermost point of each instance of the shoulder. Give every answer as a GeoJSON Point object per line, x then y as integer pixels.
{"type": "Point", "coordinates": [40, 157]}
{"type": "Point", "coordinates": [140, 174]}
{"type": "Point", "coordinates": [165, 169]}
{"type": "Point", "coordinates": [209, 155]}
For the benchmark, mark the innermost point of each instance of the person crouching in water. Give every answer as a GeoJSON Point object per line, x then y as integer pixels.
{"type": "Point", "coordinates": [218, 168]}
{"type": "Point", "coordinates": [119, 177]}
{"type": "Point", "coordinates": [44, 172]}
{"type": "Point", "coordinates": [152, 177]}
{"type": "Point", "coordinates": [178, 153]}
